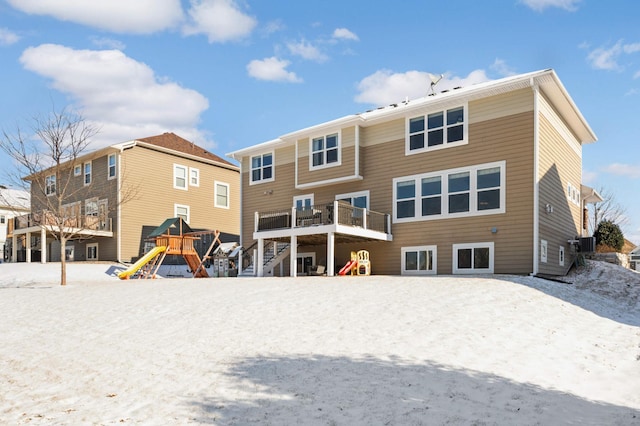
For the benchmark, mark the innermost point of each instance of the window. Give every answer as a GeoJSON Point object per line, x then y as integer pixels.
{"type": "Point", "coordinates": [179, 177]}
{"type": "Point", "coordinates": [436, 130]}
{"type": "Point", "coordinates": [194, 177]}
{"type": "Point", "coordinates": [87, 173]}
{"type": "Point", "coordinates": [473, 258]}
{"type": "Point", "coordinates": [50, 185]}
{"type": "Point", "coordinates": [181, 211]}
{"type": "Point", "coordinates": [77, 170]}
{"type": "Point", "coordinates": [543, 251]}
{"type": "Point", "coordinates": [573, 194]}
{"type": "Point", "coordinates": [91, 207]}
{"type": "Point", "coordinates": [262, 168]}
{"type": "Point", "coordinates": [561, 255]}
{"type": "Point", "coordinates": [471, 191]}
{"type": "Point", "coordinates": [325, 151]}
{"type": "Point", "coordinates": [303, 202]}
{"type": "Point", "coordinates": [221, 195]}
{"type": "Point", "coordinates": [111, 161]}
{"type": "Point", "coordinates": [3, 219]}
{"type": "Point", "coordinates": [419, 260]}
{"type": "Point", "coordinates": [356, 199]}
{"type": "Point", "coordinates": [92, 251]}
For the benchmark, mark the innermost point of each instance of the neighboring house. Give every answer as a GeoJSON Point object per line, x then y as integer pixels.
{"type": "Point", "coordinates": [481, 179]}
{"type": "Point", "coordinates": [634, 259]}
{"type": "Point", "coordinates": [13, 202]}
{"type": "Point", "coordinates": [119, 194]}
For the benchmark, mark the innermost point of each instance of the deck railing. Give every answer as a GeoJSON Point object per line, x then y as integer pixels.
{"type": "Point", "coordinates": [323, 214]}
{"type": "Point", "coordinates": [47, 218]}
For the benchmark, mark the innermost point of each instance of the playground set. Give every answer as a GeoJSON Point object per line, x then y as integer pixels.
{"type": "Point", "coordinates": [358, 265]}
{"type": "Point", "coordinates": [173, 237]}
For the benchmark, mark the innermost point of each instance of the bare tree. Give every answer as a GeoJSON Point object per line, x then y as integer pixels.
{"type": "Point", "coordinates": [45, 159]}
{"type": "Point", "coordinates": [608, 209]}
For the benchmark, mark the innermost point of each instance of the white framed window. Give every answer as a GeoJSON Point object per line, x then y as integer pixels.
{"type": "Point", "coordinates": [573, 194]}
{"type": "Point", "coordinates": [92, 251]}
{"type": "Point", "coordinates": [87, 173]}
{"type": "Point", "coordinates": [420, 260]}
{"type": "Point", "coordinates": [262, 168]}
{"type": "Point", "coordinates": [356, 199]}
{"type": "Point", "coordinates": [561, 256]}
{"type": "Point", "coordinates": [180, 210]}
{"type": "Point", "coordinates": [50, 185]}
{"type": "Point", "coordinates": [3, 219]}
{"type": "Point", "coordinates": [303, 202]}
{"type": "Point", "coordinates": [91, 207]}
{"type": "Point", "coordinates": [194, 176]}
{"type": "Point", "coordinates": [221, 196]}
{"type": "Point", "coordinates": [473, 258]}
{"type": "Point", "coordinates": [543, 251]}
{"type": "Point", "coordinates": [325, 151]}
{"type": "Point", "coordinates": [77, 170]}
{"type": "Point", "coordinates": [436, 130]}
{"type": "Point", "coordinates": [111, 164]}
{"type": "Point", "coordinates": [179, 177]}
{"type": "Point", "coordinates": [470, 191]}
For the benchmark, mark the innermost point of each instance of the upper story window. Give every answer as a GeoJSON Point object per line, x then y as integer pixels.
{"type": "Point", "coordinates": [2, 219]}
{"type": "Point", "coordinates": [194, 176]}
{"type": "Point", "coordinates": [77, 170]}
{"type": "Point", "coordinates": [87, 173]}
{"type": "Point", "coordinates": [262, 168]}
{"type": "Point", "coordinates": [436, 130]}
{"type": "Point", "coordinates": [573, 194]}
{"type": "Point", "coordinates": [325, 151]}
{"type": "Point", "coordinates": [475, 190]}
{"type": "Point", "coordinates": [50, 185]}
{"type": "Point", "coordinates": [179, 177]}
{"type": "Point", "coordinates": [111, 163]}
{"type": "Point", "coordinates": [221, 195]}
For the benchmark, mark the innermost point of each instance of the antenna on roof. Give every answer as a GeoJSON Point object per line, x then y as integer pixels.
{"type": "Point", "coordinates": [434, 80]}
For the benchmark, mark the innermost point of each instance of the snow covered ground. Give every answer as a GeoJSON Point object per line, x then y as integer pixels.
{"type": "Point", "coordinates": [380, 350]}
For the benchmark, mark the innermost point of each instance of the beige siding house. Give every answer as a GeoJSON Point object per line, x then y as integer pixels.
{"type": "Point", "coordinates": [481, 179]}
{"type": "Point", "coordinates": [118, 194]}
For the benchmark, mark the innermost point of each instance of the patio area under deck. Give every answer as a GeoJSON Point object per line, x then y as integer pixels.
{"type": "Point", "coordinates": [330, 224]}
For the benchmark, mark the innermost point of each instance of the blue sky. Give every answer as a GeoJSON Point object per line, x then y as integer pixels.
{"type": "Point", "coordinates": [227, 74]}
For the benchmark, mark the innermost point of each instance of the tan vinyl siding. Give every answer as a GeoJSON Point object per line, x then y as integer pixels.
{"type": "Point", "coordinates": [501, 105]}
{"type": "Point", "coordinates": [150, 174]}
{"type": "Point", "coordinates": [559, 166]}
{"type": "Point", "coordinates": [347, 162]}
{"type": "Point", "coordinates": [382, 133]}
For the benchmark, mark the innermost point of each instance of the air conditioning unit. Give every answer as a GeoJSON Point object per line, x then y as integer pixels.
{"type": "Point", "coordinates": [587, 244]}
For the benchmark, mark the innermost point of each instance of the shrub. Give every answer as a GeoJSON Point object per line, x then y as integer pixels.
{"type": "Point", "coordinates": [609, 234]}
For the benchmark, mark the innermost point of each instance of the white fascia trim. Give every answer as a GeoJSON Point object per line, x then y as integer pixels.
{"type": "Point", "coordinates": [536, 180]}
{"type": "Point", "coordinates": [327, 182]}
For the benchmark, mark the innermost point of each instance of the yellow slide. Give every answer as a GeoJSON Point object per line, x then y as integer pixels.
{"type": "Point", "coordinates": [141, 262]}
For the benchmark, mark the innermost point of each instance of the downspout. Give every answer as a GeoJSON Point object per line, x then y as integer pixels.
{"type": "Point", "coordinates": [357, 153]}
{"type": "Point", "coordinates": [119, 208]}
{"type": "Point", "coordinates": [536, 181]}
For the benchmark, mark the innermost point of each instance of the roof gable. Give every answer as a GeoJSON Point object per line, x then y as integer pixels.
{"type": "Point", "coordinates": [173, 142]}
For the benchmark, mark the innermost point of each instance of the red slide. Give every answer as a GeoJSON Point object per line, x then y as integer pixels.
{"type": "Point", "coordinates": [348, 267]}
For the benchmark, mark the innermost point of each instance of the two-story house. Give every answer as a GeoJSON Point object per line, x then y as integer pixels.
{"type": "Point", "coordinates": [117, 195]}
{"type": "Point", "coordinates": [479, 179]}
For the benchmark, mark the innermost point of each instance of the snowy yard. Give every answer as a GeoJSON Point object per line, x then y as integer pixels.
{"type": "Point", "coordinates": [499, 350]}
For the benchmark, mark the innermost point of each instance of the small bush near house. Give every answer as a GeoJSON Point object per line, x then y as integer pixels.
{"type": "Point", "coordinates": [609, 234]}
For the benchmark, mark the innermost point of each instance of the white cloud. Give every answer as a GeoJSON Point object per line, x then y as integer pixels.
{"type": "Point", "coordinates": [272, 69]}
{"type": "Point", "coordinates": [627, 170]}
{"type": "Point", "coordinates": [8, 37]}
{"type": "Point", "coordinates": [606, 58]}
{"type": "Point", "coordinates": [500, 66]}
{"type": "Point", "coordinates": [122, 96]}
{"type": "Point", "coordinates": [219, 20]}
{"type": "Point", "coordinates": [385, 87]}
{"type": "Point", "coordinates": [108, 43]}
{"type": "Point", "coordinates": [589, 177]}
{"type": "Point", "coordinates": [344, 34]}
{"type": "Point", "coordinates": [121, 16]}
{"type": "Point", "coordinates": [631, 48]}
{"type": "Point", "coordinates": [307, 51]}
{"type": "Point", "coordinates": [540, 5]}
